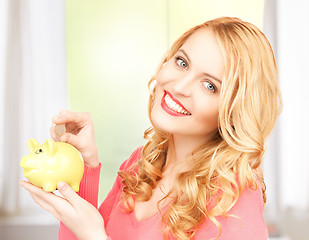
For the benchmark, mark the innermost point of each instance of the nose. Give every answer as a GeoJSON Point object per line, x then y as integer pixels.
{"type": "Point", "coordinates": [183, 86]}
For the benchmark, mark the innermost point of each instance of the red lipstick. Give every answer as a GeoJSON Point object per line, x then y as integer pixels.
{"type": "Point", "coordinates": [171, 111]}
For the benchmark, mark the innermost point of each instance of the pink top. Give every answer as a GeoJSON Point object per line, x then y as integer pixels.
{"type": "Point", "coordinates": [120, 225]}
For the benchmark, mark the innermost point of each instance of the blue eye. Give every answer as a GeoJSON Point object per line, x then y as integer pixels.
{"type": "Point", "coordinates": [209, 86]}
{"type": "Point", "coordinates": [180, 62]}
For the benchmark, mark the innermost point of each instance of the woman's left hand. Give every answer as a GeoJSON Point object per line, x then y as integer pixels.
{"type": "Point", "coordinates": [82, 218]}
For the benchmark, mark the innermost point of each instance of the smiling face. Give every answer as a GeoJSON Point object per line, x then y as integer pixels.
{"type": "Point", "coordinates": [188, 87]}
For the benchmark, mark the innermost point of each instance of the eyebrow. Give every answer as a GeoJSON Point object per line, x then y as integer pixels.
{"type": "Point", "coordinates": [207, 74]}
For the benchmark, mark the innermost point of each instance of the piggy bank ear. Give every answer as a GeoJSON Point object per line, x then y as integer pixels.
{"type": "Point", "coordinates": [50, 146]}
{"type": "Point", "coordinates": [32, 144]}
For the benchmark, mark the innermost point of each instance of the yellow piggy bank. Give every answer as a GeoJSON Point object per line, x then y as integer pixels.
{"type": "Point", "coordinates": [52, 162]}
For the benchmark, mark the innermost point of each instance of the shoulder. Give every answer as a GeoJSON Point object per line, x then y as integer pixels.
{"type": "Point", "coordinates": [247, 215]}
{"type": "Point", "coordinates": [135, 156]}
{"type": "Point", "coordinates": [243, 221]}
{"type": "Point", "coordinates": [250, 205]}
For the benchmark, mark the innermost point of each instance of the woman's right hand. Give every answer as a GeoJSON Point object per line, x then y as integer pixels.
{"type": "Point", "coordinates": [79, 133]}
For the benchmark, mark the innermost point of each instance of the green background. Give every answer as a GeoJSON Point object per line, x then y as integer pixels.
{"type": "Point", "coordinates": [113, 49]}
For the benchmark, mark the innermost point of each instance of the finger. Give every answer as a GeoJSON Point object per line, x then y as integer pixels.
{"type": "Point", "coordinates": [64, 111]}
{"type": "Point", "coordinates": [71, 117]}
{"type": "Point", "coordinates": [56, 205]}
{"type": "Point", "coordinates": [61, 113]}
{"type": "Point", "coordinates": [37, 191]}
{"type": "Point", "coordinates": [28, 186]}
{"type": "Point", "coordinates": [42, 198]}
{"type": "Point", "coordinates": [68, 193]}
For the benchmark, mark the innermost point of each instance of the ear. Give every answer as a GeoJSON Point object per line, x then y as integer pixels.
{"type": "Point", "coordinates": [152, 86]}
{"type": "Point", "coordinates": [50, 146]}
{"type": "Point", "coordinates": [32, 144]}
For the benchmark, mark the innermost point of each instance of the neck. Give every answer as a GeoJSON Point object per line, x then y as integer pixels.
{"type": "Point", "coordinates": [179, 149]}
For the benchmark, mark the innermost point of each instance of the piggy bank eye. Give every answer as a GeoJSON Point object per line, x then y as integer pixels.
{"type": "Point", "coordinates": [39, 151]}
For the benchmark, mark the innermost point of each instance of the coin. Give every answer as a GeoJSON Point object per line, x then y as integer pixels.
{"type": "Point", "coordinates": [60, 130]}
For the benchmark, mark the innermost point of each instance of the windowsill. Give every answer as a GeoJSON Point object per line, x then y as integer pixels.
{"type": "Point", "coordinates": [34, 226]}
{"type": "Point", "coordinates": [29, 219]}
{"type": "Point", "coordinates": [279, 238]}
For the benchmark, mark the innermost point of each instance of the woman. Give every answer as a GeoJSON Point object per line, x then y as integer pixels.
{"type": "Point", "coordinates": [213, 101]}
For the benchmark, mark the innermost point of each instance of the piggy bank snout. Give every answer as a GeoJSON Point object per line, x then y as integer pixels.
{"type": "Point", "coordinates": [23, 162]}
{"type": "Point", "coordinates": [27, 163]}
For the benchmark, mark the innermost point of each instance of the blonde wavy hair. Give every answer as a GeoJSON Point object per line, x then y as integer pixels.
{"type": "Point", "coordinates": [250, 102]}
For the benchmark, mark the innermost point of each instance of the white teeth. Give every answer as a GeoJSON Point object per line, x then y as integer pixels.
{"type": "Point", "coordinates": [174, 106]}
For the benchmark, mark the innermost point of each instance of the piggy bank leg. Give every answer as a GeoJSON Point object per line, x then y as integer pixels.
{"type": "Point", "coordinates": [49, 187]}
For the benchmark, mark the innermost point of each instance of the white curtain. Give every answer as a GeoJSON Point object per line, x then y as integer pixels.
{"type": "Point", "coordinates": [33, 87]}
{"type": "Point", "coordinates": [293, 56]}
{"type": "Point", "coordinates": [287, 162]}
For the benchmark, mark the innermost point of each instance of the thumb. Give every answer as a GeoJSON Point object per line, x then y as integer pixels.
{"type": "Point", "coordinates": [68, 193]}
